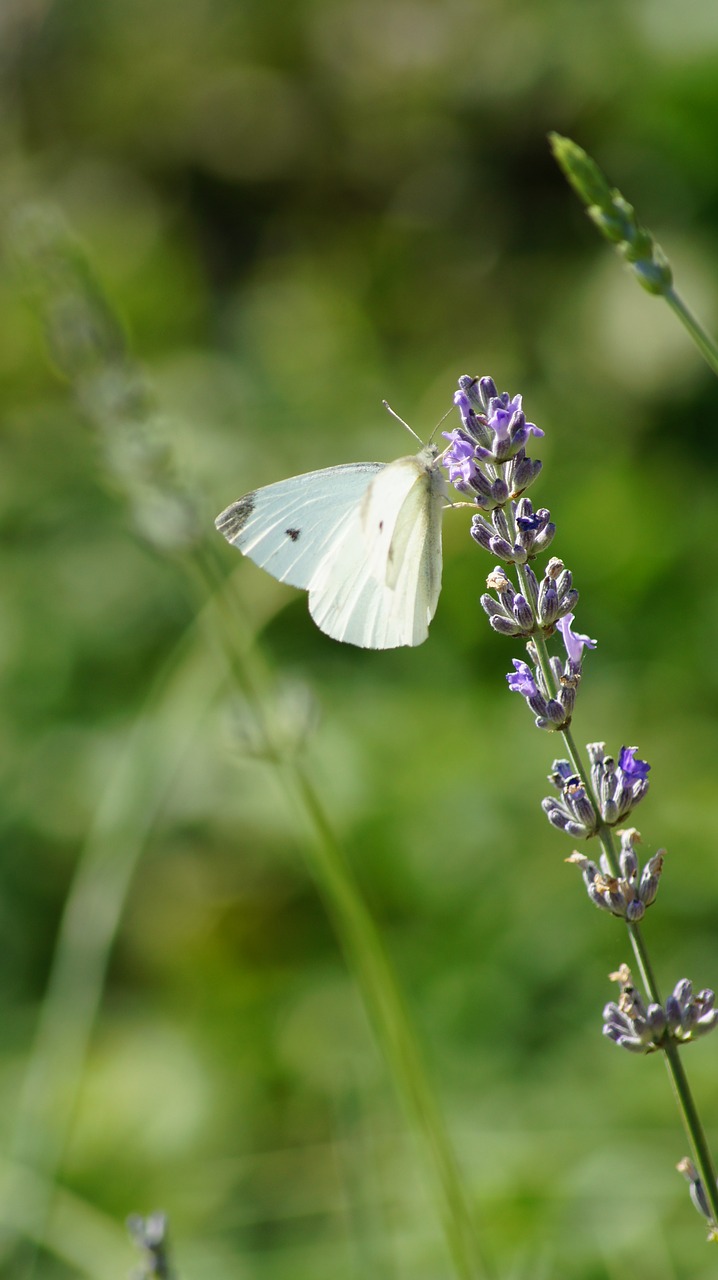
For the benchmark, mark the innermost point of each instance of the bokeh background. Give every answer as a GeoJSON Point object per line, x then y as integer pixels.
{"type": "Point", "coordinates": [296, 209]}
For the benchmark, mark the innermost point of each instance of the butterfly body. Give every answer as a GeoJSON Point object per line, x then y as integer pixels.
{"type": "Point", "coordinates": [363, 539]}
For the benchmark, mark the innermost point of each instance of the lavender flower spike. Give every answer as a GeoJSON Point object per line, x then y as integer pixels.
{"type": "Point", "coordinates": [573, 812]}
{"type": "Point", "coordinates": [644, 1030]}
{"type": "Point", "coordinates": [626, 896]}
{"type": "Point", "coordinates": [496, 423]}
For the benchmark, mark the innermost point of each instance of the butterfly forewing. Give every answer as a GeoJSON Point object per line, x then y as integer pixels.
{"type": "Point", "coordinates": [284, 527]}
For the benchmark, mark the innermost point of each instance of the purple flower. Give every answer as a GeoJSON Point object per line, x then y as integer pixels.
{"type": "Point", "coordinates": [522, 682]}
{"type": "Point", "coordinates": [635, 770]}
{"type": "Point", "coordinates": [503, 414]}
{"type": "Point", "coordinates": [459, 458]}
{"type": "Point", "coordinates": [531, 523]}
{"type": "Point", "coordinates": [573, 641]}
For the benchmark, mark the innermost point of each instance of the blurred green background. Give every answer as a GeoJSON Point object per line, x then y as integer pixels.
{"type": "Point", "coordinates": [297, 209]}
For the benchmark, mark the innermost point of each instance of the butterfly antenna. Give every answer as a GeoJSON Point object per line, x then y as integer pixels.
{"type": "Point", "coordinates": [403, 423]}
{"type": "Point", "coordinates": [442, 419]}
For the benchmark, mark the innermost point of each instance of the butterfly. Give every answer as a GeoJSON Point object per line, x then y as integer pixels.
{"type": "Point", "coordinates": [364, 539]}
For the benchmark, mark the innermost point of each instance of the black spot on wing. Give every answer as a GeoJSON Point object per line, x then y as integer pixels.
{"type": "Point", "coordinates": [293, 534]}
{"type": "Point", "coordinates": [232, 521]}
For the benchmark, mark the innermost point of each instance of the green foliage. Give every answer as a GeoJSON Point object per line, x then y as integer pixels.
{"type": "Point", "coordinates": [297, 210]}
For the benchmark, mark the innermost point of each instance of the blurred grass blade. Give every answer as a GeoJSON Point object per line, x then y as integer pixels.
{"type": "Point", "coordinates": [77, 1233]}
{"type": "Point", "coordinates": [184, 691]}
{"type": "Point", "coordinates": [90, 350]}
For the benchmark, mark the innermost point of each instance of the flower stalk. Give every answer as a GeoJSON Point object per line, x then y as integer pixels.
{"type": "Point", "coordinates": [486, 461]}
{"type": "Point", "coordinates": [617, 221]}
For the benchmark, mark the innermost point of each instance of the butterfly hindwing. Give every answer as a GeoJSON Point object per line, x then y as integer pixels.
{"type": "Point", "coordinates": [379, 585]}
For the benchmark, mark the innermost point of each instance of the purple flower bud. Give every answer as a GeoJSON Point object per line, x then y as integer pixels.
{"type": "Point", "coordinates": [657, 1020]}
{"type": "Point", "coordinates": [567, 698]}
{"type": "Point", "coordinates": [500, 491]}
{"type": "Point", "coordinates": [522, 613]}
{"type": "Point", "coordinates": [650, 878]}
{"type": "Point", "coordinates": [610, 811]}
{"type": "Point", "coordinates": [487, 391]}
{"type": "Point", "coordinates": [521, 473]}
{"type": "Point", "coordinates": [556, 712]}
{"type": "Point", "coordinates": [532, 587]}
{"type": "Point", "coordinates": [683, 993]}
{"type": "Point", "coordinates": [560, 818]}
{"type": "Point", "coordinates": [706, 1000]}
{"type": "Point", "coordinates": [548, 604]}
{"type": "Point", "coordinates": [498, 546]}
{"type": "Point", "coordinates": [674, 1014]}
{"type": "Point", "coordinates": [481, 532]}
{"type": "Point", "coordinates": [610, 888]}
{"type": "Point", "coordinates": [697, 1190]}
{"type": "Point", "coordinates": [705, 1024]}
{"type": "Point", "coordinates": [484, 490]}
{"type": "Point", "coordinates": [504, 626]}
{"type": "Point", "coordinates": [557, 669]}
{"type": "Point", "coordinates": [635, 911]}
{"type": "Point", "coordinates": [573, 812]}
{"type": "Point", "coordinates": [628, 863]}
{"type": "Point", "coordinates": [493, 608]}
{"type": "Point", "coordinates": [581, 805]}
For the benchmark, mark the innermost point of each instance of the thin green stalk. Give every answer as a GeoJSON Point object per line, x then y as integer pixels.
{"type": "Point", "coordinates": [704, 342]}
{"type": "Point", "coordinates": [692, 1125]}
{"type": "Point", "coordinates": [616, 219]}
{"type": "Point", "coordinates": [146, 767]}
{"type": "Point", "coordinates": [679, 1080]}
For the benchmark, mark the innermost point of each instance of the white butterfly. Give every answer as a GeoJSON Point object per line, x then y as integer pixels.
{"type": "Point", "coordinates": [363, 539]}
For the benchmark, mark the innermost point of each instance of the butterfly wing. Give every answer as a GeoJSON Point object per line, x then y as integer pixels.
{"type": "Point", "coordinates": [364, 540]}
{"type": "Point", "coordinates": [289, 527]}
{"type": "Point", "coordinates": [379, 585]}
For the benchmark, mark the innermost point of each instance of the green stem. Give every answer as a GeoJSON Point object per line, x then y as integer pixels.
{"type": "Point", "coordinates": [692, 1125]}
{"type": "Point", "coordinates": [706, 345]}
{"type": "Point", "coordinates": [679, 1080]}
